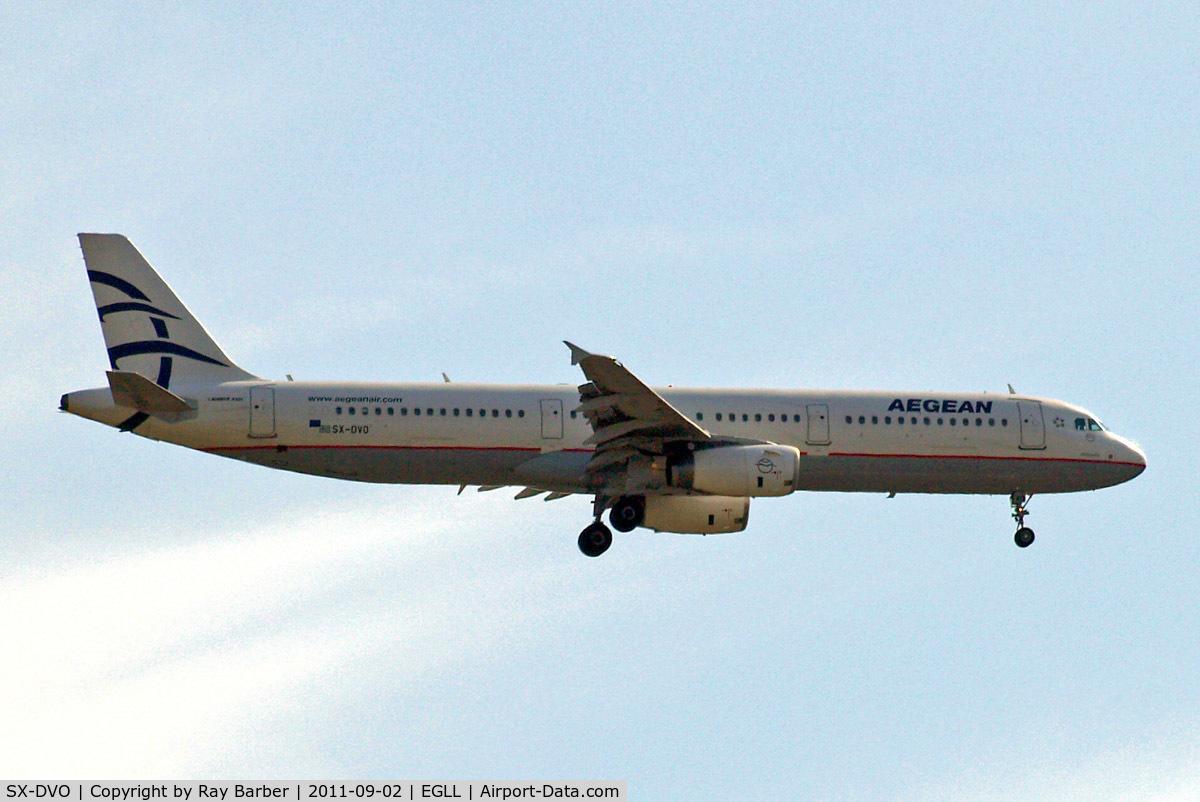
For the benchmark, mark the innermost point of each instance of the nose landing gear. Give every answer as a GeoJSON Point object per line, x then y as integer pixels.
{"type": "Point", "coordinates": [1024, 536]}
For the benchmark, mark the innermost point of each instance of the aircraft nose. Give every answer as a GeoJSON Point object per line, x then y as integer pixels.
{"type": "Point", "coordinates": [1131, 454]}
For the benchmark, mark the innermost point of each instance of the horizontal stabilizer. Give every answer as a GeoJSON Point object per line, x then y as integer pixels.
{"type": "Point", "coordinates": [137, 392]}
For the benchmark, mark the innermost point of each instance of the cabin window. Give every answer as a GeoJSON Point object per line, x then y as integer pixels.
{"type": "Point", "coordinates": [849, 419]}
{"type": "Point", "coordinates": [470, 412]}
{"type": "Point", "coordinates": [991, 421]}
{"type": "Point", "coordinates": [483, 413]}
{"type": "Point", "coordinates": [520, 413]}
{"type": "Point", "coordinates": [758, 417]}
{"type": "Point", "coordinates": [508, 413]}
{"type": "Point", "coordinates": [927, 421]}
{"type": "Point", "coordinates": [699, 416]}
{"type": "Point", "coordinates": [900, 420]}
{"type": "Point", "coordinates": [745, 417]}
{"type": "Point", "coordinates": [888, 420]}
{"type": "Point", "coordinates": [954, 421]}
{"type": "Point", "coordinates": [495, 413]}
{"type": "Point", "coordinates": [442, 412]}
{"type": "Point", "coordinates": [391, 411]}
{"type": "Point", "coordinates": [875, 419]}
{"type": "Point", "coordinates": [338, 410]}
{"type": "Point", "coordinates": [572, 414]}
{"type": "Point", "coordinates": [456, 412]}
{"type": "Point", "coordinates": [979, 421]}
{"type": "Point", "coordinates": [939, 421]}
{"type": "Point", "coordinates": [350, 410]}
{"type": "Point", "coordinates": [404, 411]}
{"type": "Point", "coordinates": [416, 410]}
{"type": "Point", "coordinates": [1004, 421]}
{"type": "Point", "coordinates": [718, 416]}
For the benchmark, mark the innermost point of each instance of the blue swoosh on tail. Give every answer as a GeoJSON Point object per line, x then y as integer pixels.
{"type": "Point", "coordinates": [133, 306]}
{"type": "Point", "coordinates": [158, 347]}
{"type": "Point", "coordinates": [116, 283]}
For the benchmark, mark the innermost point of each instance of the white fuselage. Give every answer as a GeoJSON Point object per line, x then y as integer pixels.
{"type": "Point", "coordinates": [530, 435]}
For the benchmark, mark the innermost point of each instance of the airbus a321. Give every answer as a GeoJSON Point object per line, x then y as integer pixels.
{"type": "Point", "coordinates": [667, 459]}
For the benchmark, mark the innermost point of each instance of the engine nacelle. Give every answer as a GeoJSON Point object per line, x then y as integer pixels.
{"type": "Point", "coordinates": [768, 470]}
{"type": "Point", "coordinates": [696, 515]}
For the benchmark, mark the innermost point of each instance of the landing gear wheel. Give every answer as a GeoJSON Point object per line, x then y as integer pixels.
{"type": "Point", "coordinates": [1020, 504]}
{"type": "Point", "coordinates": [627, 513]}
{"type": "Point", "coordinates": [595, 539]}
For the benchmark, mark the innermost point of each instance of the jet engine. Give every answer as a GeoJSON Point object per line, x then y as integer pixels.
{"type": "Point", "coordinates": [759, 470]}
{"type": "Point", "coordinates": [696, 515]}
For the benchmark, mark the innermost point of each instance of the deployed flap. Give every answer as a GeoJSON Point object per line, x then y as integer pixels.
{"type": "Point", "coordinates": [628, 418]}
{"type": "Point", "coordinates": [617, 403]}
{"type": "Point", "coordinates": [135, 391]}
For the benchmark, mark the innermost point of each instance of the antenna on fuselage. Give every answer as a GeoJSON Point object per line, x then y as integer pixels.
{"type": "Point", "coordinates": [1011, 391]}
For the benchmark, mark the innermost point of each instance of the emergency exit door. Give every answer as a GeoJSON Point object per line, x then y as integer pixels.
{"type": "Point", "coordinates": [552, 419]}
{"type": "Point", "coordinates": [818, 424]}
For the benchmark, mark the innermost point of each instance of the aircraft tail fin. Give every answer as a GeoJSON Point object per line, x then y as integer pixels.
{"type": "Point", "coordinates": [147, 329]}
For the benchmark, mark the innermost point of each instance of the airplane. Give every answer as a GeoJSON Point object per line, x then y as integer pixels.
{"type": "Point", "coordinates": [683, 460]}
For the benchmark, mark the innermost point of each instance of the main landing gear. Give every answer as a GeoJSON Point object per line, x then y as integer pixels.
{"type": "Point", "coordinates": [1024, 535]}
{"type": "Point", "coordinates": [625, 514]}
{"type": "Point", "coordinates": [595, 539]}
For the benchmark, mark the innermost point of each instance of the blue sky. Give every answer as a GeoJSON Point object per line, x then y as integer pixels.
{"type": "Point", "coordinates": [888, 196]}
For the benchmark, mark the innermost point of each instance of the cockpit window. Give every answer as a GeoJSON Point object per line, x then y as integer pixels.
{"type": "Point", "coordinates": [1088, 425]}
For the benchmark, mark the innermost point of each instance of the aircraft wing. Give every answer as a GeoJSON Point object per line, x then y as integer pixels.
{"type": "Point", "coordinates": [627, 417]}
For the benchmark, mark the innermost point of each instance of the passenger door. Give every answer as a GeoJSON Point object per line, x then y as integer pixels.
{"type": "Point", "coordinates": [262, 411]}
{"type": "Point", "coordinates": [1033, 428]}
